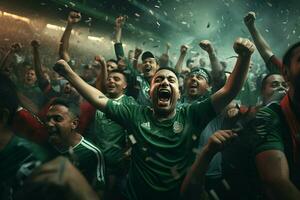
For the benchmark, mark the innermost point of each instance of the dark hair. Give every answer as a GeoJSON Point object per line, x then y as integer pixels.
{"type": "Point", "coordinates": [71, 105]}
{"type": "Point", "coordinates": [264, 80]}
{"type": "Point", "coordinates": [112, 60]}
{"type": "Point", "coordinates": [120, 72]}
{"type": "Point", "coordinates": [286, 60]}
{"type": "Point", "coordinates": [167, 68]}
{"type": "Point", "coordinates": [8, 97]}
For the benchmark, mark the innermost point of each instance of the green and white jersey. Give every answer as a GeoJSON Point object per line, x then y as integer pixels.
{"type": "Point", "coordinates": [161, 151]}
{"type": "Point", "coordinates": [143, 96]}
{"type": "Point", "coordinates": [90, 162]}
{"type": "Point", "coordinates": [16, 153]}
{"type": "Point", "coordinates": [110, 137]}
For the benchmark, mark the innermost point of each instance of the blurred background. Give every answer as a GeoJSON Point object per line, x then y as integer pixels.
{"type": "Point", "coordinates": [150, 25]}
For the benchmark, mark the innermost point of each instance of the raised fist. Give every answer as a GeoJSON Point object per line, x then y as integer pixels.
{"type": "Point", "coordinates": [206, 46]}
{"type": "Point", "coordinates": [243, 47]}
{"type": "Point", "coordinates": [16, 47]}
{"type": "Point", "coordinates": [100, 59]}
{"type": "Point", "coordinates": [183, 49]}
{"type": "Point", "coordinates": [137, 52]}
{"type": "Point", "coordinates": [249, 19]}
{"type": "Point", "coordinates": [74, 17]}
{"type": "Point", "coordinates": [62, 67]}
{"type": "Point", "coordinates": [218, 141]}
{"type": "Point", "coordinates": [168, 45]}
{"type": "Point", "coordinates": [120, 21]}
{"type": "Point", "coordinates": [35, 43]}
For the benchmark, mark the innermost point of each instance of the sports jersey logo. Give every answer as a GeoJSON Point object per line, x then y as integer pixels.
{"type": "Point", "coordinates": [177, 127]}
{"type": "Point", "coordinates": [146, 125]}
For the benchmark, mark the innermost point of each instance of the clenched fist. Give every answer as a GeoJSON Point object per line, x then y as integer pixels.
{"type": "Point", "coordinates": [206, 46]}
{"type": "Point", "coordinates": [249, 19]}
{"type": "Point", "coordinates": [243, 47]}
{"type": "Point", "coordinates": [35, 43]}
{"type": "Point", "coordinates": [62, 67]}
{"type": "Point", "coordinates": [120, 21]}
{"type": "Point", "coordinates": [16, 47]}
{"type": "Point", "coordinates": [218, 141]}
{"type": "Point", "coordinates": [137, 53]}
{"type": "Point", "coordinates": [74, 17]}
{"type": "Point", "coordinates": [184, 49]}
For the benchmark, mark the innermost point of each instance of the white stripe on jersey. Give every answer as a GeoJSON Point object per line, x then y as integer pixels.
{"type": "Point", "coordinates": [100, 159]}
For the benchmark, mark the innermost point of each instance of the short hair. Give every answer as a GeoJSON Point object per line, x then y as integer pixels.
{"type": "Point", "coordinates": [120, 72]}
{"type": "Point", "coordinates": [112, 60]}
{"type": "Point", "coordinates": [8, 97]}
{"type": "Point", "coordinates": [71, 105]}
{"type": "Point", "coordinates": [264, 80]}
{"type": "Point", "coordinates": [286, 60]}
{"type": "Point", "coordinates": [167, 68]}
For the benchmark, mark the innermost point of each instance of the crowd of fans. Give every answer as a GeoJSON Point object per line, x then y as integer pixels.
{"type": "Point", "coordinates": [137, 126]}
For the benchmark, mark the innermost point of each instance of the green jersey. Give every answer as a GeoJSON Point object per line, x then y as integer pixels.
{"type": "Point", "coordinates": [272, 133]}
{"type": "Point", "coordinates": [90, 162]}
{"type": "Point", "coordinates": [161, 151]}
{"type": "Point", "coordinates": [110, 137]}
{"type": "Point", "coordinates": [86, 157]}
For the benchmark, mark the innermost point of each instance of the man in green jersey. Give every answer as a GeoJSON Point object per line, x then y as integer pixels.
{"type": "Point", "coordinates": [61, 122]}
{"type": "Point", "coordinates": [277, 131]}
{"type": "Point", "coordinates": [111, 138]}
{"type": "Point", "coordinates": [163, 136]}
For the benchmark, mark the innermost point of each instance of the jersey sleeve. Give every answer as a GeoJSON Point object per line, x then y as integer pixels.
{"type": "Point", "coordinates": [267, 132]}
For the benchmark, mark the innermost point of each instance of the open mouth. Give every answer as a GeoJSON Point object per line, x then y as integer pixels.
{"type": "Point", "coordinates": [111, 86]}
{"type": "Point", "coordinates": [148, 68]}
{"type": "Point", "coordinates": [193, 85]}
{"type": "Point", "coordinates": [164, 96]}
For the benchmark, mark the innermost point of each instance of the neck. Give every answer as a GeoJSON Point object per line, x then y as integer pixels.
{"type": "Point", "coordinates": [114, 96]}
{"type": "Point", "coordinates": [5, 137]}
{"type": "Point", "coordinates": [71, 142]}
{"type": "Point", "coordinates": [164, 116]}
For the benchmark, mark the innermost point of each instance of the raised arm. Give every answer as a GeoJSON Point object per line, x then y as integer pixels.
{"type": "Point", "coordinates": [262, 46]}
{"type": "Point", "coordinates": [73, 18]}
{"type": "Point", "coordinates": [274, 172]}
{"type": "Point", "coordinates": [193, 183]}
{"type": "Point", "coordinates": [244, 48]}
{"type": "Point", "coordinates": [7, 57]}
{"type": "Point", "coordinates": [217, 71]}
{"type": "Point", "coordinates": [137, 54]}
{"type": "Point", "coordinates": [91, 94]}
{"type": "Point", "coordinates": [102, 76]}
{"type": "Point", "coordinates": [42, 81]}
{"type": "Point", "coordinates": [119, 51]}
{"type": "Point", "coordinates": [183, 51]}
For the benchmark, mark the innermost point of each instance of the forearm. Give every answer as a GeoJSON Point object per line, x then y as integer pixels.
{"type": "Point", "coordinates": [118, 34]}
{"type": "Point", "coordinates": [178, 66]}
{"type": "Point", "coordinates": [5, 59]}
{"type": "Point", "coordinates": [282, 191]}
{"type": "Point", "coordinates": [38, 67]}
{"type": "Point", "coordinates": [262, 46]}
{"type": "Point", "coordinates": [91, 94]}
{"type": "Point", "coordinates": [196, 174]}
{"type": "Point", "coordinates": [233, 85]}
{"type": "Point", "coordinates": [64, 43]}
{"type": "Point", "coordinates": [217, 71]}
{"type": "Point", "coordinates": [101, 79]}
